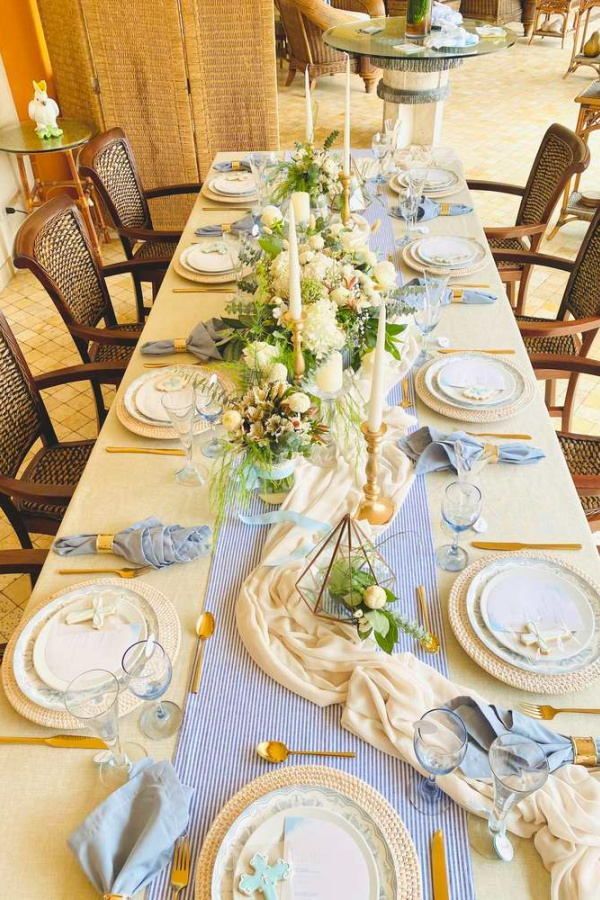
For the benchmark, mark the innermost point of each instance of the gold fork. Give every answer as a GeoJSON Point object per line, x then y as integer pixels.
{"type": "Point", "coordinates": [536, 711]}
{"type": "Point", "coordinates": [126, 572]}
{"type": "Point", "coordinates": [180, 869]}
{"type": "Point", "coordinates": [406, 402]}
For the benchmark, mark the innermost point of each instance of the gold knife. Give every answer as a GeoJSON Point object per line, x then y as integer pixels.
{"type": "Point", "coordinates": [70, 741]}
{"type": "Point", "coordinates": [515, 436]}
{"type": "Point", "coordinates": [155, 451]}
{"type": "Point", "coordinates": [476, 350]}
{"type": "Point", "coordinates": [439, 873]}
{"type": "Point", "coordinates": [516, 545]}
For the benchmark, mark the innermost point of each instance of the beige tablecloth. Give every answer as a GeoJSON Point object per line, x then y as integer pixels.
{"type": "Point", "coordinates": [46, 793]}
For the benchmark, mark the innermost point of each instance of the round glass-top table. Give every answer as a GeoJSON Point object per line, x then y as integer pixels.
{"type": "Point", "coordinates": [415, 78]}
{"type": "Point", "coordinates": [21, 140]}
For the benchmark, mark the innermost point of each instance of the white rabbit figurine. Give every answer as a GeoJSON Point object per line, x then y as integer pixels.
{"type": "Point", "coordinates": [44, 110]}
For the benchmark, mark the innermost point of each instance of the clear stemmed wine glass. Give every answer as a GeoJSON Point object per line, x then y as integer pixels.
{"type": "Point", "coordinates": [263, 165]}
{"type": "Point", "coordinates": [148, 669]}
{"type": "Point", "coordinates": [461, 507]}
{"type": "Point", "coordinates": [428, 309]}
{"type": "Point", "coordinates": [381, 145]}
{"type": "Point", "coordinates": [180, 406]}
{"type": "Point", "coordinates": [409, 208]}
{"type": "Point", "coordinates": [93, 698]}
{"type": "Point", "coordinates": [440, 743]}
{"type": "Point", "coordinates": [210, 407]}
{"type": "Point", "coordinates": [519, 767]}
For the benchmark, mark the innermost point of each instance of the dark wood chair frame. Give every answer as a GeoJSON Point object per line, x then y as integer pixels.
{"type": "Point", "coordinates": [131, 237]}
{"type": "Point", "coordinates": [549, 367]}
{"type": "Point", "coordinates": [17, 488]}
{"type": "Point", "coordinates": [532, 232]}
{"type": "Point", "coordinates": [83, 335]}
{"type": "Point", "coordinates": [25, 562]}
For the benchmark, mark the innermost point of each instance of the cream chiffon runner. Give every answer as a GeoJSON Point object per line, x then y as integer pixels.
{"type": "Point", "coordinates": [383, 696]}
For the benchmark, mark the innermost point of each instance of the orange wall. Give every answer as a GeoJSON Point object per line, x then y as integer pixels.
{"type": "Point", "coordinates": [25, 57]}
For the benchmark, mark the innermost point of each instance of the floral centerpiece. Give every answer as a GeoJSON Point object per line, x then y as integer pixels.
{"type": "Point", "coordinates": [268, 427]}
{"type": "Point", "coordinates": [311, 169]}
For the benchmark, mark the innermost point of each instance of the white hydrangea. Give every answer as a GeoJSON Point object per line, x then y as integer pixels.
{"type": "Point", "coordinates": [321, 333]}
{"type": "Point", "coordinates": [319, 268]}
{"type": "Point", "coordinates": [298, 402]}
{"type": "Point", "coordinates": [280, 274]}
{"type": "Point", "coordinates": [259, 355]}
{"type": "Point", "coordinates": [316, 242]}
{"type": "Point", "coordinates": [270, 216]}
{"type": "Point", "coordinates": [384, 274]}
{"type": "Point", "coordinates": [364, 255]}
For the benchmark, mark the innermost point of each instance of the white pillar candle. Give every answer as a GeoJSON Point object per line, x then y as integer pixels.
{"type": "Point", "coordinates": [329, 377]}
{"type": "Point", "coordinates": [295, 294]}
{"type": "Point", "coordinates": [378, 379]}
{"type": "Point", "coordinates": [300, 200]}
{"type": "Point", "coordinates": [347, 121]}
{"type": "Point", "coordinates": [308, 103]}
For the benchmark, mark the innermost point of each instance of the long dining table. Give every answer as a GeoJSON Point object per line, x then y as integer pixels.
{"type": "Point", "coordinates": [46, 793]}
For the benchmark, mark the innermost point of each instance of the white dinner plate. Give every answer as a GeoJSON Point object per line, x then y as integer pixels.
{"type": "Point", "coordinates": [199, 258]}
{"type": "Point", "coordinates": [268, 838]}
{"type": "Point", "coordinates": [290, 798]}
{"type": "Point", "coordinates": [447, 252]}
{"type": "Point", "coordinates": [26, 676]}
{"type": "Point", "coordinates": [143, 401]}
{"type": "Point", "coordinates": [416, 262]}
{"type": "Point", "coordinates": [586, 655]}
{"type": "Point", "coordinates": [433, 186]}
{"type": "Point", "coordinates": [233, 184]}
{"type": "Point", "coordinates": [514, 384]}
{"type": "Point", "coordinates": [62, 651]}
{"type": "Point", "coordinates": [544, 597]}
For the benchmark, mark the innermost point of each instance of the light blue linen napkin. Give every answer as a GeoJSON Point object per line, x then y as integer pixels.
{"type": "Point", "coordinates": [241, 226]}
{"type": "Point", "coordinates": [484, 723]}
{"type": "Point", "coordinates": [434, 451]}
{"type": "Point", "coordinates": [146, 543]}
{"type": "Point", "coordinates": [241, 165]}
{"type": "Point", "coordinates": [430, 209]}
{"type": "Point", "coordinates": [126, 841]}
{"type": "Point", "coordinates": [413, 290]}
{"type": "Point", "coordinates": [203, 341]}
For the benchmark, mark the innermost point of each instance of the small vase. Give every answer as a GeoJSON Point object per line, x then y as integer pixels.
{"type": "Point", "coordinates": [418, 18]}
{"type": "Point", "coordinates": [276, 481]}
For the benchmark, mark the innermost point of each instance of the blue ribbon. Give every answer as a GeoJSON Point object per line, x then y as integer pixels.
{"type": "Point", "coordinates": [277, 516]}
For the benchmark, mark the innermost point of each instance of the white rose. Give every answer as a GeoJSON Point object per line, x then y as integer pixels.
{"type": "Point", "coordinates": [375, 597]}
{"type": "Point", "coordinates": [364, 255]}
{"type": "Point", "coordinates": [340, 296]}
{"type": "Point", "coordinates": [316, 242]}
{"type": "Point", "coordinates": [350, 240]}
{"type": "Point", "coordinates": [306, 257]}
{"type": "Point", "coordinates": [336, 228]}
{"type": "Point", "coordinates": [231, 420]}
{"type": "Point", "coordinates": [277, 372]}
{"type": "Point", "coordinates": [298, 402]}
{"type": "Point", "coordinates": [259, 355]}
{"type": "Point", "coordinates": [385, 273]}
{"type": "Point", "coordinates": [270, 216]}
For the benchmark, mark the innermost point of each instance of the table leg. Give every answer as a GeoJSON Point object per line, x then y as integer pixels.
{"type": "Point", "coordinates": [27, 194]}
{"type": "Point", "coordinates": [416, 99]}
{"type": "Point", "coordinates": [83, 203]}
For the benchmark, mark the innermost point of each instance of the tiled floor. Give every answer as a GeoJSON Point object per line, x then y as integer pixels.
{"type": "Point", "coordinates": [495, 117]}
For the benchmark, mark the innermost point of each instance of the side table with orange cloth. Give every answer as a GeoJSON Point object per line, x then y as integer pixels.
{"type": "Point", "coordinates": [22, 141]}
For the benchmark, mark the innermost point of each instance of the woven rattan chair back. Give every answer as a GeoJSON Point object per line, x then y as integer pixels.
{"type": "Point", "coordinates": [23, 417]}
{"type": "Point", "coordinates": [582, 293]}
{"type": "Point", "coordinates": [561, 155]}
{"type": "Point", "coordinates": [53, 243]}
{"type": "Point", "coordinates": [109, 162]}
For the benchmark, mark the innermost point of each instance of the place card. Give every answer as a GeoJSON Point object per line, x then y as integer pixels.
{"type": "Point", "coordinates": [407, 47]}
{"type": "Point", "coordinates": [371, 29]}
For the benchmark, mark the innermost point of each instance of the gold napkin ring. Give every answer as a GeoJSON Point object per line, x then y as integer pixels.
{"type": "Point", "coordinates": [104, 544]}
{"type": "Point", "coordinates": [444, 209]}
{"type": "Point", "coordinates": [584, 752]}
{"type": "Point", "coordinates": [492, 452]}
{"type": "Point", "coordinates": [235, 166]}
{"type": "Point", "coordinates": [226, 228]}
{"type": "Point", "coordinates": [180, 345]}
{"type": "Point", "coordinates": [115, 897]}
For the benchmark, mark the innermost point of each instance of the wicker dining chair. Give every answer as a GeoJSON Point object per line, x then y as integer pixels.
{"type": "Point", "coordinates": [34, 499]}
{"type": "Point", "coordinates": [577, 322]}
{"type": "Point", "coordinates": [561, 154]}
{"type": "Point", "coordinates": [108, 161]}
{"type": "Point", "coordinates": [306, 20]}
{"type": "Point", "coordinates": [581, 451]}
{"type": "Point", "coordinates": [500, 12]}
{"type": "Point", "coordinates": [54, 244]}
{"type": "Point", "coordinates": [22, 562]}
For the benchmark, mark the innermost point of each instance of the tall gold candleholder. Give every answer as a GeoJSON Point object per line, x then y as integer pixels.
{"type": "Point", "coordinates": [376, 509]}
{"type": "Point", "coordinates": [296, 326]}
{"type": "Point", "coordinates": [345, 179]}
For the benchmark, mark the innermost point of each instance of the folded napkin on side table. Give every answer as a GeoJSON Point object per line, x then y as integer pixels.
{"type": "Point", "coordinates": [434, 451]}
{"type": "Point", "coordinates": [203, 342]}
{"type": "Point", "coordinates": [146, 543]}
{"type": "Point", "coordinates": [431, 209]}
{"type": "Point", "coordinates": [126, 841]}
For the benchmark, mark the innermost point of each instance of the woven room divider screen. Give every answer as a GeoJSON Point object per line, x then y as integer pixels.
{"type": "Point", "coordinates": [183, 78]}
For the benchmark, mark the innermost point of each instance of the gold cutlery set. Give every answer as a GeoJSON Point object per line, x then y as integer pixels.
{"type": "Point", "coordinates": [432, 643]}
{"type": "Point", "coordinates": [523, 545]}
{"type": "Point", "coordinates": [124, 572]}
{"type": "Point", "coordinates": [278, 752]}
{"type": "Point", "coordinates": [205, 628]}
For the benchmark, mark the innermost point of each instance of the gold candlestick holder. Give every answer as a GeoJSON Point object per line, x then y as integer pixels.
{"type": "Point", "coordinates": [376, 509]}
{"type": "Point", "coordinates": [345, 179]}
{"type": "Point", "coordinates": [296, 326]}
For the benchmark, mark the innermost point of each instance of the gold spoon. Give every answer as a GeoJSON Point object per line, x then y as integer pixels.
{"type": "Point", "coordinates": [205, 628]}
{"type": "Point", "coordinates": [430, 644]}
{"type": "Point", "coordinates": [277, 752]}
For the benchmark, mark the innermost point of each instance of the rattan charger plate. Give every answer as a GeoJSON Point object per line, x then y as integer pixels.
{"type": "Point", "coordinates": [477, 414]}
{"type": "Point", "coordinates": [202, 277]}
{"type": "Point", "coordinates": [565, 683]}
{"type": "Point", "coordinates": [414, 264]}
{"type": "Point", "coordinates": [167, 432]}
{"type": "Point", "coordinates": [169, 635]}
{"type": "Point", "coordinates": [242, 200]}
{"type": "Point", "coordinates": [395, 833]}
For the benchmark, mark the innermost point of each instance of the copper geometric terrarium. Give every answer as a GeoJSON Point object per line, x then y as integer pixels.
{"type": "Point", "coordinates": [339, 570]}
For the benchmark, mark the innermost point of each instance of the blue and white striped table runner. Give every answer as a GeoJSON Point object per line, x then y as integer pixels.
{"type": "Point", "coordinates": [238, 705]}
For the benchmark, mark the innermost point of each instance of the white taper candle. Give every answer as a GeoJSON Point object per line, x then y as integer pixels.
{"type": "Point", "coordinates": [295, 294]}
{"type": "Point", "coordinates": [308, 102]}
{"type": "Point", "coordinates": [347, 121]}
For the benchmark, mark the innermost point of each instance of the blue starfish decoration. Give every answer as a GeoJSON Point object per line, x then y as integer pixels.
{"type": "Point", "coordinates": [265, 877]}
